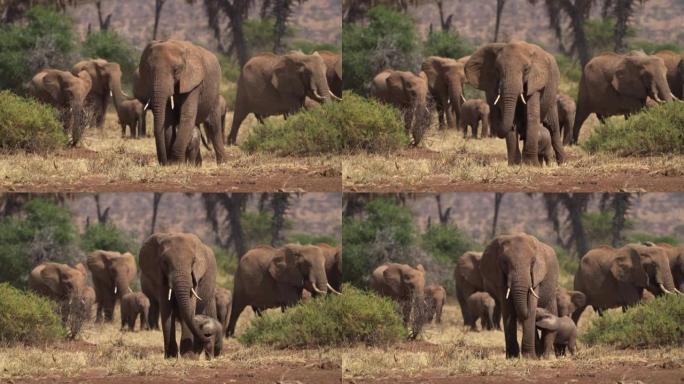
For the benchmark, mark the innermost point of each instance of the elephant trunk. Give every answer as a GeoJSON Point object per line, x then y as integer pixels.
{"type": "Point", "coordinates": [664, 279]}
{"type": "Point", "coordinates": [160, 97]}
{"type": "Point", "coordinates": [318, 283]}
{"type": "Point", "coordinates": [182, 285]}
{"type": "Point", "coordinates": [509, 102]}
{"type": "Point", "coordinates": [320, 91]}
{"type": "Point", "coordinates": [121, 287]}
{"type": "Point", "coordinates": [456, 99]}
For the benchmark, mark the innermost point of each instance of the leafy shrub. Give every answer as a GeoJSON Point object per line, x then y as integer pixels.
{"type": "Point", "coordinates": [371, 126]}
{"type": "Point", "coordinates": [447, 44]}
{"type": "Point", "coordinates": [107, 237]}
{"type": "Point", "coordinates": [655, 323]}
{"type": "Point", "coordinates": [46, 39]}
{"type": "Point", "coordinates": [310, 47]}
{"type": "Point", "coordinates": [257, 227]}
{"type": "Point", "coordinates": [230, 69]}
{"type": "Point", "coordinates": [600, 34]}
{"type": "Point", "coordinates": [654, 131]}
{"type": "Point", "coordinates": [651, 47]}
{"type": "Point", "coordinates": [356, 317]}
{"type": "Point", "coordinates": [599, 227]}
{"type": "Point", "coordinates": [260, 34]}
{"type": "Point", "coordinates": [27, 318]}
{"type": "Point", "coordinates": [307, 238]}
{"type": "Point", "coordinates": [29, 125]}
{"type": "Point", "coordinates": [447, 243]}
{"type": "Point", "coordinates": [638, 237]}
{"type": "Point", "coordinates": [110, 46]}
{"type": "Point", "coordinates": [389, 40]}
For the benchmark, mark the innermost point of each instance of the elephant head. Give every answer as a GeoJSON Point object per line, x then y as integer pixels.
{"type": "Point", "coordinates": [638, 75]}
{"type": "Point", "coordinates": [96, 69]}
{"type": "Point", "coordinates": [569, 301]}
{"type": "Point", "coordinates": [301, 266]}
{"type": "Point", "coordinates": [301, 75]}
{"type": "Point", "coordinates": [405, 281]}
{"type": "Point", "coordinates": [546, 320]}
{"type": "Point", "coordinates": [213, 332]}
{"type": "Point", "coordinates": [509, 73]}
{"type": "Point", "coordinates": [656, 265]}
{"type": "Point", "coordinates": [58, 281]}
{"type": "Point", "coordinates": [455, 76]}
{"type": "Point", "coordinates": [112, 271]}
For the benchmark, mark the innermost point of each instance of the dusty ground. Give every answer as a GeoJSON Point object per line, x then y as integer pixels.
{"type": "Point", "coordinates": [106, 162]}
{"type": "Point", "coordinates": [446, 162]}
{"type": "Point", "coordinates": [449, 353]}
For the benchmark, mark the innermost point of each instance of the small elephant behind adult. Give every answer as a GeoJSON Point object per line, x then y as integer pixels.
{"type": "Point", "coordinates": [473, 112]}
{"type": "Point", "coordinates": [212, 330]}
{"type": "Point", "coordinates": [193, 154]}
{"type": "Point", "coordinates": [481, 305]}
{"type": "Point", "coordinates": [134, 304]}
{"type": "Point", "coordinates": [545, 148]}
{"type": "Point", "coordinates": [674, 62]}
{"type": "Point", "coordinates": [88, 301]}
{"type": "Point", "coordinates": [569, 301]}
{"type": "Point", "coordinates": [566, 116]}
{"type": "Point", "coordinates": [435, 298]}
{"type": "Point", "coordinates": [565, 328]}
{"type": "Point", "coordinates": [224, 301]}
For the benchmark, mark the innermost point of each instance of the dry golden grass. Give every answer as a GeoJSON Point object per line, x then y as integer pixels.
{"type": "Point", "coordinates": [106, 158]}
{"type": "Point", "coordinates": [445, 157]}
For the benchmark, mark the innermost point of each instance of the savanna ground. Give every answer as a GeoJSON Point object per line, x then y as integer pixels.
{"type": "Point", "coordinates": [106, 162]}
{"type": "Point", "coordinates": [445, 161]}
{"type": "Point", "coordinates": [104, 354]}
{"type": "Point", "coordinates": [450, 353]}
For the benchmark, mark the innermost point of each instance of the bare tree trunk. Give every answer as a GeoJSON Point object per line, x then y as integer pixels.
{"type": "Point", "coordinates": [102, 216]}
{"type": "Point", "coordinates": [498, 196]}
{"type": "Point", "coordinates": [445, 23]}
{"type": "Point", "coordinates": [576, 204]}
{"type": "Point", "coordinates": [499, 10]}
{"type": "Point", "coordinates": [279, 203]}
{"type": "Point", "coordinates": [280, 11]}
{"type": "Point", "coordinates": [621, 203]}
{"type": "Point", "coordinates": [158, 5]}
{"type": "Point", "coordinates": [623, 11]}
{"type": "Point", "coordinates": [234, 204]}
{"type": "Point", "coordinates": [155, 209]}
{"type": "Point", "coordinates": [578, 12]}
{"type": "Point", "coordinates": [104, 23]}
{"type": "Point", "coordinates": [237, 12]}
{"type": "Point", "coordinates": [444, 215]}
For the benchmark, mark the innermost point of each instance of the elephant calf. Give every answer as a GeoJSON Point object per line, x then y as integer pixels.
{"type": "Point", "coordinates": [566, 331]}
{"type": "Point", "coordinates": [435, 297]}
{"type": "Point", "coordinates": [481, 305]}
{"type": "Point", "coordinates": [132, 305]}
{"type": "Point", "coordinates": [545, 151]}
{"type": "Point", "coordinates": [224, 301]}
{"type": "Point", "coordinates": [213, 332]}
{"type": "Point", "coordinates": [473, 112]}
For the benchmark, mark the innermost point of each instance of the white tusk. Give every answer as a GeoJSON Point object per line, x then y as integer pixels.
{"type": "Point", "coordinates": [169, 294]}
{"type": "Point", "coordinates": [497, 98]}
{"type": "Point", "coordinates": [508, 293]}
{"type": "Point", "coordinates": [464, 99]}
{"type": "Point", "coordinates": [316, 94]}
{"type": "Point", "coordinates": [533, 292]}
{"type": "Point", "coordinates": [111, 93]}
{"type": "Point", "coordinates": [316, 289]}
{"type": "Point", "coordinates": [673, 96]}
{"type": "Point", "coordinates": [427, 110]}
{"type": "Point", "coordinates": [522, 97]}
{"type": "Point", "coordinates": [678, 291]}
{"type": "Point", "coordinates": [172, 105]}
{"type": "Point", "coordinates": [334, 96]}
{"type": "Point", "coordinates": [146, 105]}
{"type": "Point", "coordinates": [656, 98]}
{"type": "Point", "coordinates": [664, 289]}
{"type": "Point", "coordinates": [129, 289]}
{"type": "Point", "coordinates": [195, 293]}
{"type": "Point", "coordinates": [115, 289]}
{"type": "Point", "coordinates": [333, 290]}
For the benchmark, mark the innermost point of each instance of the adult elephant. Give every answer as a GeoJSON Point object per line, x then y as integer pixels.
{"type": "Point", "coordinates": [521, 273]}
{"type": "Point", "coordinates": [180, 82]}
{"type": "Point", "coordinates": [278, 84]}
{"type": "Point", "coordinates": [181, 271]}
{"type": "Point", "coordinates": [99, 95]}
{"type": "Point", "coordinates": [616, 277]}
{"type": "Point", "coordinates": [67, 93]}
{"type": "Point", "coordinates": [409, 93]}
{"type": "Point", "coordinates": [566, 116]}
{"type": "Point", "coordinates": [405, 285]}
{"type": "Point", "coordinates": [520, 81]}
{"type": "Point", "coordinates": [674, 62]}
{"type": "Point", "coordinates": [445, 78]}
{"type": "Point", "coordinates": [333, 71]}
{"type": "Point", "coordinates": [676, 256]}
{"type": "Point", "coordinates": [60, 283]}
{"type": "Point", "coordinates": [468, 279]}
{"type": "Point", "coordinates": [269, 277]}
{"type": "Point", "coordinates": [615, 84]}
{"type": "Point", "coordinates": [113, 274]}
{"type": "Point", "coordinates": [333, 265]}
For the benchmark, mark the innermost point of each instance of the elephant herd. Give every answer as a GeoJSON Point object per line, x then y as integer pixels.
{"type": "Point", "coordinates": [516, 279]}
{"type": "Point", "coordinates": [522, 101]}
{"type": "Point", "coordinates": [179, 82]}
{"type": "Point", "coordinates": [177, 273]}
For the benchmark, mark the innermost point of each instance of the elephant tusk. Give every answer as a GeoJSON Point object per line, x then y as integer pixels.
{"type": "Point", "coordinates": [111, 94]}
{"type": "Point", "coordinates": [316, 94]}
{"type": "Point", "coordinates": [665, 289]}
{"type": "Point", "coordinates": [172, 105]}
{"type": "Point", "coordinates": [464, 99]}
{"type": "Point", "coordinates": [533, 292]}
{"type": "Point", "coordinates": [497, 98]}
{"type": "Point", "coordinates": [678, 291]}
{"type": "Point", "coordinates": [195, 294]}
{"type": "Point", "coordinates": [333, 290]}
{"type": "Point", "coordinates": [146, 105]}
{"type": "Point", "coordinates": [673, 96]}
{"type": "Point", "coordinates": [656, 98]}
{"type": "Point", "coordinates": [522, 97]}
{"type": "Point", "coordinates": [508, 293]}
{"type": "Point", "coordinates": [317, 290]}
{"type": "Point", "coordinates": [169, 294]}
{"type": "Point", "coordinates": [334, 96]}
{"type": "Point", "coordinates": [115, 289]}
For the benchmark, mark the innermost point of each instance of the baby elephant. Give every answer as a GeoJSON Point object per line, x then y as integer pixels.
{"type": "Point", "coordinates": [435, 297]}
{"type": "Point", "coordinates": [472, 112]}
{"type": "Point", "coordinates": [566, 331]}
{"type": "Point", "coordinates": [224, 302]}
{"type": "Point", "coordinates": [481, 305]}
{"type": "Point", "coordinates": [132, 305]}
{"type": "Point", "coordinates": [545, 153]}
{"type": "Point", "coordinates": [213, 331]}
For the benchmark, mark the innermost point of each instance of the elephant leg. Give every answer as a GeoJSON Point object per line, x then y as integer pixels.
{"type": "Point", "coordinates": [241, 112]}
{"type": "Point", "coordinates": [153, 314]}
{"type": "Point", "coordinates": [123, 320]}
{"type": "Point", "coordinates": [439, 105]}
{"type": "Point", "coordinates": [529, 328]}
{"type": "Point", "coordinates": [168, 328]}
{"type": "Point", "coordinates": [236, 309]}
{"type": "Point", "coordinates": [134, 128]}
{"type": "Point", "coordinates": [439, 314]}
{"type": "Point", "coordinates": [123, 129]}
{"type": "Point", "coordinates": [497, 315]}
{"type": "Point", "coordinates": [460, 296]}
{"type": "Point", "coordinates": [556, 140]}
{"type": "Point", "coordinates": [109, 303]}
{"type": "Point", "coordinates": [512, 148]}
{"type": "Point", "coordinates": [474, 128]}
{"type": "Point", "coordinates": [143, 319]}
{"type": "Point", "coordinates": [581, 115]}
{"type": "Point", "coordinates": [450, 115]}
{"type": "Point", "coordinates": [143, 124]}
{"type": "Point", "coordinates": [215, 133]}
{"type": "Point", "coordinates": [186, 125]}
{"type": "Point", "coordinates": [531, 143]}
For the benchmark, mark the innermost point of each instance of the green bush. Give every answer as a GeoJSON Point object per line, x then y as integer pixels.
{"type": "Point", "coordinates": [600, 34]}
{"type": "Point", "coordinates": [656, 323]}
{"type": "Point", "coordinates": [29, 125]}
{"type": "Point", "coordinates": [371, 126]}
{"type": "Point", "coordinates": [257, 227]}
{"type": "Point", "coordinates": [230, 69]}
{"type": "Point", "coordinates": [638, 237]}
{"type": "Point", "coordinates": [356, 317]}
{"type": "Point", "coordinates": [107, 237]}
{"type": "Point", "coordinates": [599, 227]}
{"type": "Point", "coordinates": [45, 39]}
{"type": "Point", "coordinates": [310, 47]}
{"type": "Point", "coordinates": [654, 131]}
{"type": "Point", "coordinates": [650, 47]}
{"type": "Point", "coordinates": [446, 243]}
{"type": "Point", "coordinates": [110, 46]}
{"type": "Point", "coordinates": [260, 35]}
{"type": "Point", "coordinates": [306, 238]}
{"type": "Point", "coordinates": [27, 318]}
{"type": "Point", "coordinates": [447, 44]}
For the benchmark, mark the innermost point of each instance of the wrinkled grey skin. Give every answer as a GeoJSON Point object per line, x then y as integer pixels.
{"type": "Point", "coordinates": [278, 84]}
{"type": "Point", "coordinates": [224, 302]}
{"type": "Point", "coordinates": [468, 279]}
{"type": "Point", "coordinates": [435, 298]}
{"type": "Point", "coordinates": [676, 257]}
{"type": "Point", "coordinates": [545, 147]}
{"type": "Point", "coordinates": [175, 264]}
{"type": "Point", "coordinates": [566, 116]}
{"type": "Point", "coordinates": [563, 326]}
{"type": "Point", "coordinates": [134, 304]}
{"type": "Point", "coordinates": [402, 283]}
{"type": "Point", "coordinates": [445, 78]}
{"type": "Point", "coordinates": [614, 84]}
{"type": "Point", "coordinates": [59, 282]}
{"type": "Point", "coordinates": [481, 305]}
{"type": "Point", "coordinates": [113, 274]}
{"type": "Point", "coordinates": [98, 96]}
{"type": "Point", "coordinates": [333, 65]}
{"type": "Point", "coordinates": [148, 290]}
{"type": "Point", "coordinates": [473, 112]}
{"type": "Point", "coordinates": [193, 154]}
{"type": "Point", "coordinates": [569, 301]}
{"type": "Point", "coordinates": [510, 72]}
{"type": "Point", "coordinates": [528, 269]}
{"type": "Point", "coordinates": [181, 83]}
{"type": "Point", "coordinates": [674, 62]}
{"type": "Point", "coordinates": [129, 111]}
{"type": "Point", "coordinates": [212, 330]}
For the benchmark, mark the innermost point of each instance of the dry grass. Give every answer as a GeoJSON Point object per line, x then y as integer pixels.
{"type": "Point", "coordinates": [451, 349]}
{"type": "Point", "coordinates": [104, 157]}
{"type": "Point", "coordinates": [444, 157]}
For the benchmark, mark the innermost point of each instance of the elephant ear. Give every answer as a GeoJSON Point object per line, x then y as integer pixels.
{"type": "Point", "coordinates": [627, 268]}
{"type": "Point", "coordinates": [490, 263]}
{"type": "Point", "coordinates": [286, 77]}
{"type": "Point", "coordinates": [393, 279]}
{"type": "Point", "coordinates": [578, 298]}
{"type": "Point", "coordinates": [538, 76]}
{"type": "Point", "coordinates": [539, 267]}
{"type": "Point", "coordinates": [420, 268]}
{"type": "Point", "coordinates": [52, 84]}
{"type": "Point", "coordinates": [81, 269]}
{"type": "Point", "coordinates": [480, 70]}
{"type": "Point", "coordinates": [546, 320]}
{"type": "Point", "coordinates": [193, 72]}
{"type": "Point", "coordinates": [52, 278]}
{"type": "Point", "coordinates": [199, 263]}
{"type": "Point", "coordinates": [283, 267]}
{"type": "Point", "coordinates": [626, 79]}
